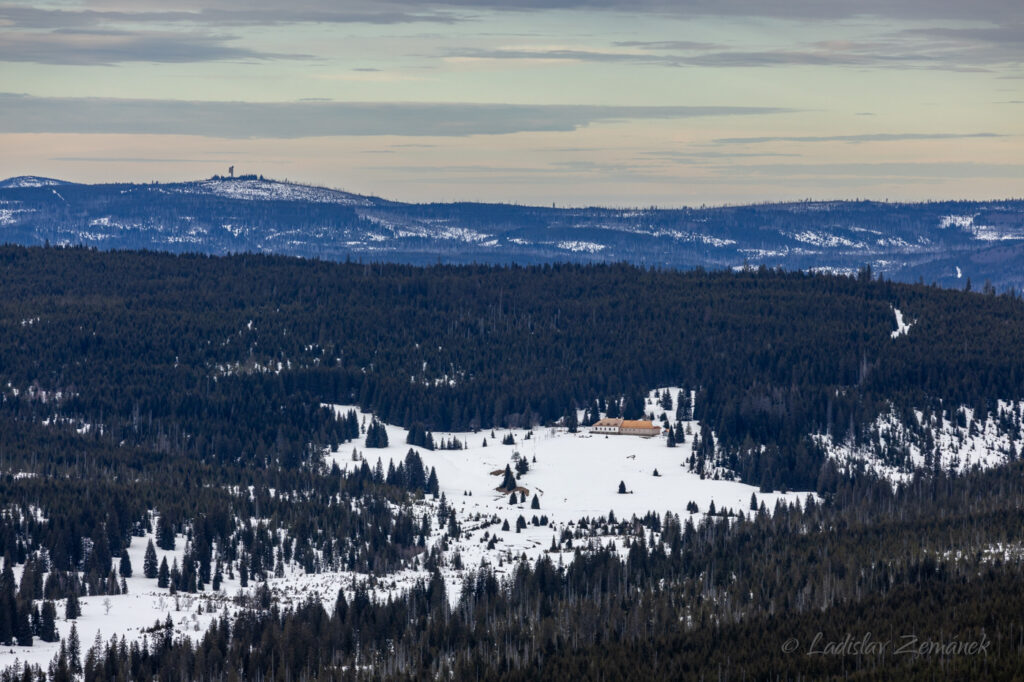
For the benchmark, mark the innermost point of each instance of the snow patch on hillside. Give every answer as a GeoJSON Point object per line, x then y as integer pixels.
{"type": "Point", "coordinates": [961, 221]}
{"type": "Point", "coordinates": [578, 247]}
{"type": "Point", "coordinates": [895, 448]}
{"type": "Point", "coordinates": [9, 216]}
{"type": "Point", "coordinates": [902, 327]}
{"type": "Point", "coordinates": [823, 239]}
{"type": "Point", "coordinates": [985, 233]}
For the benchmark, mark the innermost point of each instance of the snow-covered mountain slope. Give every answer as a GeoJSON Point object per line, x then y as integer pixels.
{"type": "Point", "coordinates": [22, 181]}
{"type": "Point", "coordinates": [954, 440]}
{"type": "Point", "coordinates": [258, 189]}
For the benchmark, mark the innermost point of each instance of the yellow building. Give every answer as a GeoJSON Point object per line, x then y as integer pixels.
{"type": "Point", "coordinates": [626, 427]}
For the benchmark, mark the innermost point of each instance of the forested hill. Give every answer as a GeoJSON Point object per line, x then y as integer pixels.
{"type": "Point", "coordinates": [226, 359]}
{"type": "Point", "coordinates": [948, 242]}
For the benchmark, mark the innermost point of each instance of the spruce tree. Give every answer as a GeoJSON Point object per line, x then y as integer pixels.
{"type": "Point", "coordinates": [23, 625]}
{"type": "Point", "coordinates": [125, 567]}
{"type": "Point", "coordinates": [432, 485]}
{"type": "Point", "coordinates": [164, 533]}
{"type": "Point", "coordinates": [48, 622]}
{"type": "Point", "coordinates": [163, 574]}
{"type": "Point", "coordinates": [149, 565]}
{"type": "Point", "coordinates": [508, 483]}
{"type": "Point", "coordinates": [62, 671]}
{"type": "Point", "coordinates": [74, 651]}
{"type": "Point", "coordinates": [7, 603]}
{"type": "Point", "coordinates": [376, 435]}
{"type": "Point", "coordinates": [571, 420]}
{"type": "Point", "coordinates": [72, 609]}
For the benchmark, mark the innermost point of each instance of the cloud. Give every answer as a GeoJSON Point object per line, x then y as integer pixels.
{"type": "Point", "coordinates": [471, 53]}
{"type": "Point", "coordinates": [1009, 34]}
{"type": "Point", "coordinates": [903, 51]}
{"type": "Point", "coordinates": [219, 14]}
{"type": "Point", "coordinates": [270, 12]}
{"type": "Point", "coordinates": [135, 159]}
{"type": "Point", "coordinates": [953, 170]}
{"type": "Point", "coordinates": [787, 9]}
{"type": "Point", "coordinates": [868, 137]}
{"type": "Point", "coordinates": [29, 114]}
{"type": "Point", "coordinates": [106, 47]}
{"type": "Point", "coordinates": [1004, 10]}
{"type": "Point", "coordinates": [679, 45]}
{"type": "Point", "coordinates": [690, 157]}
{"type": "Point", "coordinates": [42, 34]}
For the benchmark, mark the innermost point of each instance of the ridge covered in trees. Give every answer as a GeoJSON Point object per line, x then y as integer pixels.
{"type": "Point", "coordinates": [230, 359]}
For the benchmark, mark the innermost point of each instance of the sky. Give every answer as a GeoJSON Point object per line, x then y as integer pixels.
{"type": "Point", "coordinates": [571, 102]}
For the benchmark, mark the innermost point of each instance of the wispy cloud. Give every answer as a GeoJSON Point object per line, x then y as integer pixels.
{"type": "Point", "coordinates": [106, 47]}
{"type": "Point", "coordinates": [232, 13]}
{"type": "Point", "coordinates": [972, 49]}
{"type": "Point", "coordinates": [673, 45]}
{"type": "Point", "coordinates": [783, 9]}
{"type": "Point", "coordinates": [951, 170]}
{"type": "Point", "coordinates": [214, 13]}
{"type": "Point", "coordinates": [855, 139]}
{"type": "Point", "coordinates": [691, 157]}
{"type": "Point", "coordinates": [136, 159]}
{"type": "Point", "coordinates": [902, 54]}
{"type": "Point", "coordinates": [28, 114]}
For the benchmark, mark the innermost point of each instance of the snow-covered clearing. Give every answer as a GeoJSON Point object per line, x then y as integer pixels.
{"type": "Point", "coordinates": [573, 476]}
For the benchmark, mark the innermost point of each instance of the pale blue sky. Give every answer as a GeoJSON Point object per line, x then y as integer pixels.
{"type": "Point", "coordinates": [567, 101]}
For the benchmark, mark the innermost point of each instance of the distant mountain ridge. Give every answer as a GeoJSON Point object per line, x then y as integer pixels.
{"type": "Point", "coordinates": [942, 242]}
{"type": "Point", "coordinates": [30, 181]}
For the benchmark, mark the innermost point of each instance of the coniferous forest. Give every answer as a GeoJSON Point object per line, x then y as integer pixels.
{"type": "Point", "coordinates": [185, 395]}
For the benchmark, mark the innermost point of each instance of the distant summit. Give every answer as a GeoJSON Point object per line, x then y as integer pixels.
{"type": "Point", "coordinates": [256, 187]}
{"type": "Point", "coordinates": [31, 181]}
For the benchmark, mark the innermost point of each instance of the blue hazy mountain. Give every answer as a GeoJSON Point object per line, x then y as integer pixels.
{"type": "Point", "coordinates": [942, 242]}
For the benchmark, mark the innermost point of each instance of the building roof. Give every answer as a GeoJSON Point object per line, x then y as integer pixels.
{"type": "Point", "coordinates": [608, 422]}
{"type": "Point", "coordinates": [637, 424]}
